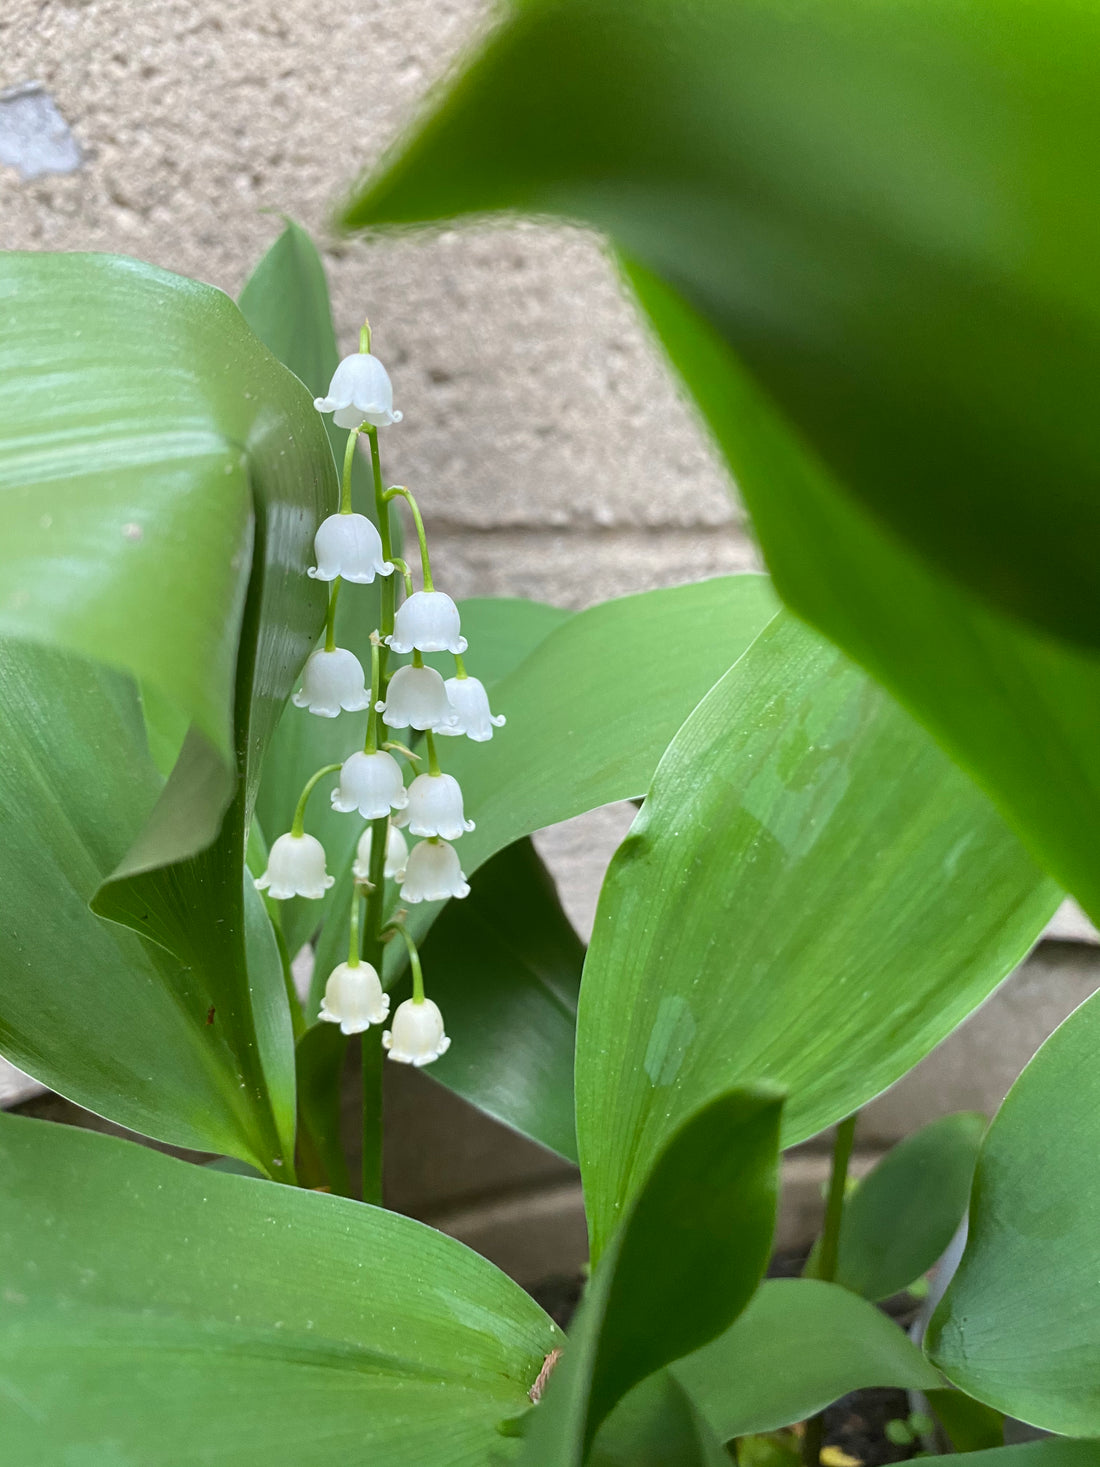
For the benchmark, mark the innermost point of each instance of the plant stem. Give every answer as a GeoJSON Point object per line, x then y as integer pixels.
{"type": "Point", "coordinates": [349, 459]}
{"type": "Point", "coordinates": [330, 617]}
{"type": "Point", "coordinates": [814, 1435]}
{"type": "Point", "coordinates": [425, 564]}
{"type": "Point", "coordinates": [298, 824]}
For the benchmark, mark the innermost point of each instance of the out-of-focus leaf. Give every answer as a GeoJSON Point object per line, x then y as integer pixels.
{"type": "Point", "coordinates": [886, 211]}
{"type": "Point", "coordinates": [161, 1313]}
{"type": "Point", "coordinates": [657, 1425]}
{"type": "Point", "coordinates": [505, 966]}
{"type": "Point", "coordinates": [800, 1345]}
{"type": "Point", "coordinates": [904, 1213]}
{"type": "Point", "coordinates": [114, 1023]}
{"type": "Point", "coordinates": [685, 1263]}
{"type": "Point", "coordinates": [1019, 1327]}
{"type": "Point", "coordinates": [812, 894]}
{"type": "Point", "coordinates": [971, 1425]}
{"type": "Point", "coordinates": [1051, 1453]}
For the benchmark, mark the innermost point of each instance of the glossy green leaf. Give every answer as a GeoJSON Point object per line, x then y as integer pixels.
{"type": "Point", "coordinates": [148, 441]}
{"type": "Point", "coordinates": [114, 1023]}
{"type": "Point", "coordinates": [904, 1213]}
{"type": "Point", "coordinates": [886, 211]}
{"type": "Point", "coordinates": [800, 1345]}
{"type": "Point", "coordinates": [505, 968]}
{"type": "Point", "coordinates": [812, 894]}
{"type": "Point", "coordinates": [161, 1313]}
{"type": "Point", "coordinates": [658, 1425]}
{"type": "Point", "coordinates": [1019, 1327]}
{"type": "Point", "coordinates": [1051, 1453]}
{"type": "Point", "coordinates": [1015, 708]}
{"type": "Point", "coordinates": [685, 1262]}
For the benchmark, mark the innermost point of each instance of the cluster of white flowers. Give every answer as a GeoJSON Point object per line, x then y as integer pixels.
{"type": "Point", "coordinates": [348, 547]}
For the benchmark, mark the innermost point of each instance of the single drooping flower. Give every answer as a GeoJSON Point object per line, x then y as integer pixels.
{"type": "Point", "coordinates": [416, 698]}
{"type": "Point", "coordinates": [331, 681]}
{"type": "Point", "coordinates": [348, 547]}
{"type": "Point", "coordinates": [435, 807]}
{"type": "Point", "coordinates": [433, 873]}
{"type": "Point", "coordinates": [417, 1036]}
{"type": "Point", "coordinates": [371, 784]}
{"type": "Point", "coordinates": [295, 867]}
{"type": "Point", "coordinates": [470, 701]}
{"type": "Point", "coordinates": [397, 854]}
{"type": "Point", "coordinates": [427, 622]}
{"type": "Point", "coordinates": [354, 998]}
{"type": "Point", "coordinates": [360, 392]}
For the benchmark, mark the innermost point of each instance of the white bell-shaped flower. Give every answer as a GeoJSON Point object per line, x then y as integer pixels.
{"type": "Point", "coordinates": [331, 681]}
{"type": "Point", "coordinates": [349, 546]}
{"type": "Point", "coordinates": [354, 998]}
{"type": "Point", "coordinates": [470, 701]}
{"type": "Point", "coordinates": [417, 698]}
{"type": "Point", "coordinates": [397, 854]}
{"type": "Point", "coordinates": [360, 392]}
{"type": "Point", "coordinates": [295, 867]}
{"type": "Point", "coordinates": [417, 1036]}
{"type": "Point", "coordinates": [432, 873]}
{"type": "Point", "coordinates": [371, 784]}
{"type": "Point", "coordinates": [427, 621]}
{"type": "Point", "coordinates": [435, 807]}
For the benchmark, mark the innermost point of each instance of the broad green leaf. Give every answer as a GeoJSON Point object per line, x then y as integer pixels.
{"type": "Point", "coordinates": [116, 1024]}
{"type": "Point", "coordinates": [812, 894]}
{"type": "Point", "coordinates": [970, 1425]}
{"type": "Point", "coordinates": [1019, 1328]}
{"type": "Point", "coordinates": [163, 1314]}
{"type": "Point", "coordinates": [904, 1213]}
{"type": "Point", "coordinates": [148, 442]}
{"type": "Point", "coordinates": [1051, 1453]}
{"type": "Point", "coordinates": [658, 1425]}
{"type": "Point", "coordinates": [505, 967]}
{"type": "Point", "coordinates": [886, 211]}
{"type": "Point", "coordinates": [683, 1265]}
{"type": "Point", "coordinates": [1015, 708]}
{"type": "Point", "coordinates": [286, 302]}
{"type": "Point", "coordinates": [800, 1345]}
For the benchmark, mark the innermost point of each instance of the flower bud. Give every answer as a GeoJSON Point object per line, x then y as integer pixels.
{"type": "Point", "coordinates": [360, 392]}
{"type": "Point", "coordinates": [331, 681]}
{"type": "Point", "coordinates": [416, 697]}
{"type": "Point", "coordinates": [349, 546]}
{"type": "Point", "coordinates": [354, 998]}
{"type": "Point", "coordinates": [397, 853]}
{"type": "Point", "coordinates": [427, 621]}
{"type": "Point", "coordinates": [295, 867]}
{"type": "Point", "coordinates": [417, 1036]}
{"type": "Point", "coordinates": [371, 784]}
{"type": "Point", "coordinates": [467, 696]}
{"type": "Point", "coordinates": [432, 873]}
{"type": "Point", "coordinates": [435, 807]}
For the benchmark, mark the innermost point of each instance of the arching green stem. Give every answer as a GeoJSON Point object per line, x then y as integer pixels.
{"type": "Point", "coordinates": [433, 758]}
{"type": "Point", "coordinates": [406, 574]}
{"type": "Point", "coordinates": [349, 459]}
{"type": "Point", "coordinates": [298, 825]}
{"type": "Point", "coordinates": [460, 666]}
{"type": "Point", "coordinates": [414, 961]}
{"type": "Point", "coordinates": [399, 490]}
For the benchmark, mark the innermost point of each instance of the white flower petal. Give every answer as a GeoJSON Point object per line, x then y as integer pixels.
{"type": "Point", "coordinates": [428, 621]}
{"type": "Point", "coordinates": [435, 807]}
{"type": "Point", "coordinates": [433, 873]}
{"type": "Point", "coordinates": [371, 784]}
{"type": "Point", "coordinates": [331, 681]}
{"type": "Point", "coordinates": [397, 854]}
{"type": "Point", "coordinates": [417, 1036]}
{"type": "Point", "coordinates": [349, 546]}
{"type": "Point", "coordinates": [354, 998]}
{"type": "Point", "coordinates": [416, 697]}
{"type": "Point", "coordinates": [467, 696]}
{"type": "Point", "coordinates": [295, 867]}
{"type": "Point", "coordinates": [360, 392]}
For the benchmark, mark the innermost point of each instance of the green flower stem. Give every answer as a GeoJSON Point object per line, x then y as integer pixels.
{"type": "Point", "coordinates": [298, 825]}
{"type": "Point", "coordinates": [349, 459]}
{"type": "Point", "coordinates": [371, 744]}
{"type": "Point", "coordinates": [399, 490]}
{"type": "Point", "coordinates": [460, 666]}
{"type": "Point", "coordinates": [330, 619]}
{"type": "Point", "coordinates": [433, 758]}
{"type": "Point", "coordinates": [814, 1435]}
{"type": "Point", "coordinates": [353, 935]}
{"type": "Point", "coordinates": [364, 337]}
{"type": "Point", "coordinates": [406, 574]}
{"type": "Point", "coordinates": [414, 961]}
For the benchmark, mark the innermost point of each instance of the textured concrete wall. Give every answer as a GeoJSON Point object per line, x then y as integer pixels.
{"type": "Point", "coordinates": [542, 434]}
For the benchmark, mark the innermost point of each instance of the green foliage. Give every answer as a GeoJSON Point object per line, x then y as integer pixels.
{"type": "Point", "coordinates": [687, 1258]}
{"type": "Point", "coordinates": [658, 1425]}
{"type": "Point", "coordinates": [161, 1313]}
{"type": "Point", "coordinates": [1019, 1327]}
{"type": "Point", "coordinates": [904, 1213]}
{"type": "Point", "coordinates": [787, 907]}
